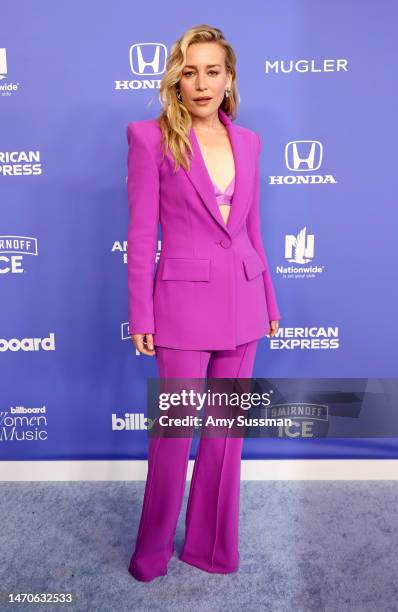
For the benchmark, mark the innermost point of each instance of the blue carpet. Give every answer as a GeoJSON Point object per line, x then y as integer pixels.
{"type": "Point", "coordinates": [305, 546]}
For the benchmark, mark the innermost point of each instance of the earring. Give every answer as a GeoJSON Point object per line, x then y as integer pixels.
{"type": "Point", "coordinates": [227, 93]}
{"type": "Point", "coordinates": [179, 95]}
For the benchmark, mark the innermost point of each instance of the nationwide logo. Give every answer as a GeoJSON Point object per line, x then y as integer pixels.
{"type": "Point", "coordinates": [3, 63]}
{"type": "Point", "coordinates": [17, 163]}
{"type": "Point", "coordinates": [6, 89]}
{"type": "Point", "coordinates": [299, 249]}
{"type": "Point", "coordinates": [147, 64]}
{"type": "Point", "coordinates": [305, 338]}
{"type": "Point", "coordinates": [305, 65]}
{"type": "Point", "coordinates": [12, 252]}
{"type": "Point", "coordinates": [131, 421]}
{"type": "Point", "coordinates": [304, 158]}
{"type": "Point", "coordinates": [21, 424]}
{"type": "Point", "coordinates": [28, 344]}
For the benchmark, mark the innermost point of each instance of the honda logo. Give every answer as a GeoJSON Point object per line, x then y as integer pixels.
{"type": "Point", "coordinates": [148, 58]}
{"type": "Point", "coordinates": [303, 155]}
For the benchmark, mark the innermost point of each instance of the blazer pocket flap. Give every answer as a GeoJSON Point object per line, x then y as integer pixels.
{"type": "Point", "coordinates": [184, 268]}
{"type": "Point", "coordinates": [253, 265]}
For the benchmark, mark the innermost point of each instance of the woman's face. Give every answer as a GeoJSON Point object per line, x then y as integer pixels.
{"type": "Point", "coordinates": [204, 75]}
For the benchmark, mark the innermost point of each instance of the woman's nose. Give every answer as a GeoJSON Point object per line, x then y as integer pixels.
{"type": "Point", "coordinates": [201, 84]}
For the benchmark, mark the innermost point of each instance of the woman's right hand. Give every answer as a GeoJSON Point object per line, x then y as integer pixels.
{"type": "Point", "coordinates": [144, 344]}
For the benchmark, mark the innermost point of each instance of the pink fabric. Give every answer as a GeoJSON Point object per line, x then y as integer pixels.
{"type": "Point", "coordinates": [212, 288]}
{"type": "Point", "coordinates": [212, 515]}
{"type": "Point", "coordinates": [224, 197]}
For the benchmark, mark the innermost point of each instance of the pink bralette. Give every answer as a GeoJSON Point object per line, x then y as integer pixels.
{"type": "Point", "coordinates": [226, 196]}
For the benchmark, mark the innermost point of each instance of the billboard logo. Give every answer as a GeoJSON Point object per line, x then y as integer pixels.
{"type": "Point", "coordinates": [133, 421]}
{"type": "Point", "coordinates": [28, 344]}
{"type": "Point", "coordinates": [23, 424]}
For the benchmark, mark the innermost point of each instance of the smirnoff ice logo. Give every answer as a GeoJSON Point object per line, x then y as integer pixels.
{"type": "Point", "coordinates": [13, 250]}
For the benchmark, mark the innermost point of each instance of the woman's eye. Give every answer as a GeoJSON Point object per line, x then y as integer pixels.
{"type": "Point", "coordinates": [210, 72]}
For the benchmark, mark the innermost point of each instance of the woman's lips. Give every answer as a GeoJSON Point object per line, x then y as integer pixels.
{"type": "Point", "coordinates": [203, 101]}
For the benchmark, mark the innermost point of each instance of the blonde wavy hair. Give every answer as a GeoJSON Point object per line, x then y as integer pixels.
{"type": "Point", "coordinates": [175, 119]}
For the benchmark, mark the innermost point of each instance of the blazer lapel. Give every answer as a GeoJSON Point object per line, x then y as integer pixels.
{"type": "Point", "coordinates": [244, 176]}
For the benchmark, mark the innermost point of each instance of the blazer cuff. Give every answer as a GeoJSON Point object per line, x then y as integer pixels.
{"type": "Point", "coordinates": [138, 328]}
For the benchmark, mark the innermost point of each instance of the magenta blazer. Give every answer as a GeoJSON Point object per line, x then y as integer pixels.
{"type": "Point", "coordinates": [212, 289]}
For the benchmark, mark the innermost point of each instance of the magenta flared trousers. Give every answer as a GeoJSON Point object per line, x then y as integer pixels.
{"type": "Point", "coordinates": [212, 516]}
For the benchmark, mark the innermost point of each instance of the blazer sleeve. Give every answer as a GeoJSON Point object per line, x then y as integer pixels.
{"type": "Point", "coordinates": [254, 231]}
{"type": "Point", "coordinates": [142, 235]}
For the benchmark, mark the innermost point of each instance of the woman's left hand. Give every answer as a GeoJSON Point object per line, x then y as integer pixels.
{"type": "Point", "coordinates": [274, 327]}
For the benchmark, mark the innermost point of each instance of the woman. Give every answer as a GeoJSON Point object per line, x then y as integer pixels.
{"type": "Point", "coordinates": [211, 298]}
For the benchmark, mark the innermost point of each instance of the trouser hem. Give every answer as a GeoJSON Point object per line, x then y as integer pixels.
{"type": "Point", "coordinates": [211, 569]}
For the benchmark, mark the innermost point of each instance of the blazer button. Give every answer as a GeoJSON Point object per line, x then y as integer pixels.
{"type": "Point", "coordinates": [226, 243]}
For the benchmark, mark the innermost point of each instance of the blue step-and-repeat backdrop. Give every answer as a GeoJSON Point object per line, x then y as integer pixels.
{"type": "Point", "coordinates": [318, 82]}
